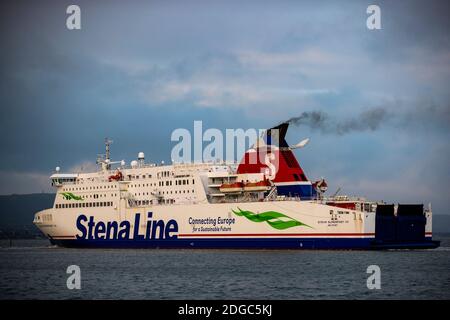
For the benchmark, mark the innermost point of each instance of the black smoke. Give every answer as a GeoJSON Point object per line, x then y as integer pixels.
{"type": "Point", "coordinates": [369, 120]}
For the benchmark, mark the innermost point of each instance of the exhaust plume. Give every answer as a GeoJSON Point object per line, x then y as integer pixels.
{"type": "Point", "coordinates": [369, 120]}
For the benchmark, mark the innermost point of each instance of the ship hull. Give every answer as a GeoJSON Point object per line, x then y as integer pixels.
{"type": "Point", "coordinates": [258, 225]}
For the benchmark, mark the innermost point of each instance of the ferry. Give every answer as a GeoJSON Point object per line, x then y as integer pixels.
{"type": "Point", "coordinates": [254, 204]}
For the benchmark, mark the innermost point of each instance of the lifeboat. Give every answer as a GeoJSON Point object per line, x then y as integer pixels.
{"type": "Point", "coordinates": [231, 187]}
{"type": "Point", "coordinates": [117, 177]}
{"type": "Point", "coordinates": [262, 185]}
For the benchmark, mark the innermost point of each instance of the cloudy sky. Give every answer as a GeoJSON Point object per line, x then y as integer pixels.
{"type": "Point", "coordinates": [136, 72]}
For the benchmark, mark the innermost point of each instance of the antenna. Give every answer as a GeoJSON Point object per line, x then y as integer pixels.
{"type": "Point", "coordinates": [108, 142]}
{"type": "Point", "coordinates": [336, 193]}
{"type": "Point", "coordinates": [105, 159]}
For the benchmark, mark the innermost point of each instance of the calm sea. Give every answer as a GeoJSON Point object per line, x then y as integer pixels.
{"type": "Point", "coordinates": [32, 269]}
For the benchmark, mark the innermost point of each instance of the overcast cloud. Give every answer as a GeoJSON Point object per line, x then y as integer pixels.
{"type": "Point", "coordinates": [136, 72]}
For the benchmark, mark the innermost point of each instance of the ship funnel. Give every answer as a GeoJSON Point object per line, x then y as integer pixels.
{"type": "Point", "coordinates": [276, 159]}
{"type": "Point", "coordinates": [276, 136]}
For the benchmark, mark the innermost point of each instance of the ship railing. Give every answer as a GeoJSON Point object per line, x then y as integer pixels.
{"type": "Point", "coordinates": [272, 194]}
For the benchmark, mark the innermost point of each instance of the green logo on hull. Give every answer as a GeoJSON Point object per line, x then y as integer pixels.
{"type": "Point", "coordinates": [275, 219]}
{"type": "Point", "coordinates": [70, 196]}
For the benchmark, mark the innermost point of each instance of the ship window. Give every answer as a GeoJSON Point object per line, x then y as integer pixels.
{"type": "Point", "coordinates": [296, 177]}
{"type": "Point", "coordinates": [303, 177]}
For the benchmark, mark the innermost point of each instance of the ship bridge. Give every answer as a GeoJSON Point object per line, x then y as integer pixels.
{"type": "Point", "coordinates": [63, 178]}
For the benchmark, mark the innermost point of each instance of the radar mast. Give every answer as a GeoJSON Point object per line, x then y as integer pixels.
{"type": "Point", "coordinates": [105, 159]}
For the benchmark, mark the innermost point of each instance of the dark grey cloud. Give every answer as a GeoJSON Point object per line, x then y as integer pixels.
{"type": "Point", "coordinates": [409, 27]}
{"type": "Point", "coordinates": [62, 92]}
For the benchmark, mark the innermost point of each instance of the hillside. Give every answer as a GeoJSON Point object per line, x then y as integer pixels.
{"type": "Point", "coordinates": [17, 212]}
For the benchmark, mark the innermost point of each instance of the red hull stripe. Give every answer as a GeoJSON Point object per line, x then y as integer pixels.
{"type": "Point", "coordinates": [271, 234]}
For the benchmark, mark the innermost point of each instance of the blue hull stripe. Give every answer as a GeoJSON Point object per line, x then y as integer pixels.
{"type": "Point", "coordinates": [233, 243]}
